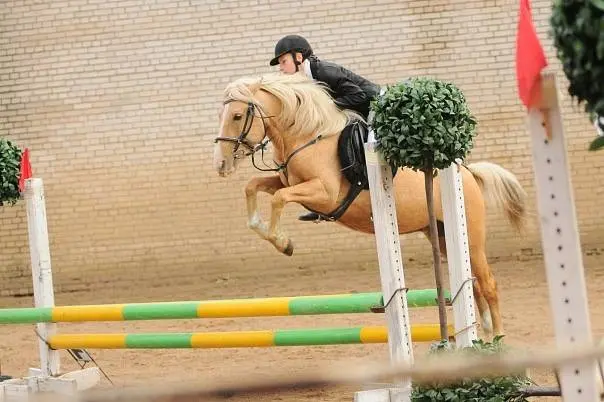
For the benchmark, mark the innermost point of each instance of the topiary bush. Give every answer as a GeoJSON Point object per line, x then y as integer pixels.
{"type": "Point", "coordinates": [10, 163]}
{"type": "Point", "coordinates": [424, 124]}
{"type": "Point", "coordinates": [577, 28]}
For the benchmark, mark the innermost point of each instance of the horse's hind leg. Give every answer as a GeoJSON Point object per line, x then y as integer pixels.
{"type": "Point", "coordinates": [488, 288]}
{"type": "Point", "coordinates": [483, 308]}
{"type": "Point", "coordinates": [442, 245]}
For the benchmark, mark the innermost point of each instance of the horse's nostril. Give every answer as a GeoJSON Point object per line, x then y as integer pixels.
{"type": "Point", "coordinates": [222, 164]}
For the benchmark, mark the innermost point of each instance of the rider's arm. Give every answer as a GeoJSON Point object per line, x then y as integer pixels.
{"type": "Point", "coordinates": [347, 94]}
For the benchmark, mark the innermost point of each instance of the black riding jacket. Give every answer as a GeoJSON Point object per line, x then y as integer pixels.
{"type": "Point", "coordinates": [349, 90]}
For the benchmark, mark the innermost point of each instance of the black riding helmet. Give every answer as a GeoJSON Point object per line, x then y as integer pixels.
{"type": "Point", "coordinates": [291, 44]}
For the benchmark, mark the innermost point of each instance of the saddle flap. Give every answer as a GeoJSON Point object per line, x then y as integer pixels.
{"type": "Point", "coordinates": [351, 153]}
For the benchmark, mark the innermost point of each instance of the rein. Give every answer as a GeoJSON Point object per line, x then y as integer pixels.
{"type": "Point", "coordinates": [283, 166]}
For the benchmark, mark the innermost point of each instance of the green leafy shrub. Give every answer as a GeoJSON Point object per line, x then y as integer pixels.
{"type": "Point", "coordinates": [494, 389]}
{"type": "Point", "coordinates": [423, 123]}
{"type": "Point", "coordinates": [10, 161]}
{"type": "Point", "coordinates": [597, 143]}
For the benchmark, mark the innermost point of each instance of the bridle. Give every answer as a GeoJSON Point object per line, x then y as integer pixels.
{"type": "Point", "coordinates": [250, 148]}
{"type": "Point", "coordinates": [261, 146]}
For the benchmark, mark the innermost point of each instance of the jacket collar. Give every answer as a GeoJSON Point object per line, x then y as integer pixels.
{"type": "Point", "coordinates": [307, 70]}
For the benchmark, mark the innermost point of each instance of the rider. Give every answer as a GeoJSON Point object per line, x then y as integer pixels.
{"type": "Point", "coordinates": [349, 90]}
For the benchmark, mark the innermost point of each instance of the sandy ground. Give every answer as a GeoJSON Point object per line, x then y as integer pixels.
{"type": "Point", "coordinates": [522, 285]}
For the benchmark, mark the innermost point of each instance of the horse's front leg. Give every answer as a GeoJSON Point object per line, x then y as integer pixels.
{"type": "Point", "coordinates": [307, 192]}
{"type": "Point", "coordinates": [256, 184]}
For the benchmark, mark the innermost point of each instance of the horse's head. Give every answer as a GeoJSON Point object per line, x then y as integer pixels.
{"type": "Point", "coordinates": [272, 107]}
{"type": "Point", "coordinates": [243, 126]}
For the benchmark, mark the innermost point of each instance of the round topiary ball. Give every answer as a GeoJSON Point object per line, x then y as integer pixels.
{"type": "Point", "coordinates": [423, 123]}
{"type": "Point", "coordinates": [577, 28]}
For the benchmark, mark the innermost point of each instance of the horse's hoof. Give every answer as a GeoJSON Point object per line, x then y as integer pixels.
{"type": "Point", "coordinates": [289, 250]}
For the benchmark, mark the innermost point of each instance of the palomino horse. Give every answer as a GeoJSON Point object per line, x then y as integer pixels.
{"type": "Point", "coordinates": [300, 119]}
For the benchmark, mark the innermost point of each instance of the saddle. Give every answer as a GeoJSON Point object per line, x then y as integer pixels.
{"type": "Point", "coordinates": [351, 153]}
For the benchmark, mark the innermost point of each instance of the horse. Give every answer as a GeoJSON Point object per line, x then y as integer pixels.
{"type": "Point", "coordinates": [298, 116]}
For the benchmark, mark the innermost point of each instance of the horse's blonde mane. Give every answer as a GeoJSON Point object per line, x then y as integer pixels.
{"type": "Point", "coordinates": [306, 105]}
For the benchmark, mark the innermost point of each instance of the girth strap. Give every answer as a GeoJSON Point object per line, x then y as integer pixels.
{"type": "Point", "coordinates": [355, 189]}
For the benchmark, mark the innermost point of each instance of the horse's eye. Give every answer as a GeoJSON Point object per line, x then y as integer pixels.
{"type": "Point", "coordinates": [237, 116]}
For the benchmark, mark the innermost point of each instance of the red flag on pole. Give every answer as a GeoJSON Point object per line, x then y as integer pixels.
{"type": "Point", "coordinates": [530, 58]}
{"type": "Point", "coordinates": [25, 170]}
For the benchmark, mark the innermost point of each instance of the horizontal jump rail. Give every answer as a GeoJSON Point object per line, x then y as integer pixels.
{"type": "Point", "coordinates": [262, 307]}
{"type": "Point", "coordinates": [240, 339]}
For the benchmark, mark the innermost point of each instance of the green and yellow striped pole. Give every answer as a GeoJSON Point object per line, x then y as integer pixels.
{"type": "Point", "coordinates": [241, 339]}
{"type": "Point", "coordinates": [262, 307]}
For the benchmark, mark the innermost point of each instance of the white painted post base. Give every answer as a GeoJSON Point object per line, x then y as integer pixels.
{"type": "Point", "coordinates": [14, 390]}
{"type": "Point", "coordinates": [383, 394]}
{"type": "Point", "coordinates": [21, 389]}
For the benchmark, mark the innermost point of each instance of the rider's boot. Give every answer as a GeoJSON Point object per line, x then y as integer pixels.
{"type": "Point", "coordinates": [309, 217]}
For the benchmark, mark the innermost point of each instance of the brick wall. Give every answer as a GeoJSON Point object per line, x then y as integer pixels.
{"type": "Point", "coordinates": [117, 101]}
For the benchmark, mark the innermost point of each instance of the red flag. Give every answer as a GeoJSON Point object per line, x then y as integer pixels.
{"type": "Point", "coordinates": [25, 169]}
{"type": "Point", "coordinates": [530, 58]}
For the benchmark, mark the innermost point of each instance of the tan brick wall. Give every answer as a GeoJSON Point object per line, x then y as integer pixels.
{"type": "Point", "coordinates": [117, 101]}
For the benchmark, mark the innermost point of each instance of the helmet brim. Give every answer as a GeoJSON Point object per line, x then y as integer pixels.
{"type": "Point", "coordinates": [275, 60]}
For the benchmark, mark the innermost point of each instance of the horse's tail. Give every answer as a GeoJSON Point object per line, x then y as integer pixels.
{"type": "Point", "coordinates": [501, 187]}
